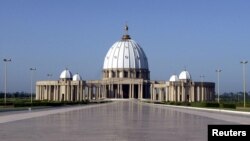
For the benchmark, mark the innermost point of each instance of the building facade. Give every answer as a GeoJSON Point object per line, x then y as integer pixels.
{"type": "Point", "coordinates": [125, 75]}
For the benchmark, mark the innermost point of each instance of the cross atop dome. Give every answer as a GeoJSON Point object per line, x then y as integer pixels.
{"type": "Point", "coordinates": [126, 36]}
{"type": "Point", "coordinates": [126, 29]}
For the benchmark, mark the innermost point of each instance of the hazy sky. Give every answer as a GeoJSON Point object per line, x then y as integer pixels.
{"type": "Point", "coordinates": [201, 35]}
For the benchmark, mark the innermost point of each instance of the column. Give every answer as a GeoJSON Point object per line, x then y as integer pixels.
{"type": "Point", "coordinates": [77, 92]}
{"type": "Point", "coordinates": [118, 91]}
{"type": "Point", "coordinates": [99, 91]}
{"type": "Point", "coordinates": [121, 91]}
{"type": "Point", "coordinates": [95, 92]}
{"type": "Point", "coordinates": [48, 93]}
{"type": "Point", "coordinates": [151, 91]}
{"type": "Point", "coordinates": [133, 90]}
{"type": "Point", "coordinates": [100, 95]}
{"type": "Point", "coordinates": [202, 94]}
{"type": "Point", "coordinates": [40, 93]}
{"type": "Point", "coordinates": [170, 89]}
{"type": "Point", "coordinates": [160, 94]}
{"type": "Point", "coordinates": [178, 94]}
{"type": "Point", "coordinates": [192, 95]}
{"type": "Point", "coordinates": [141, 91]}
{"type": "Point", "coordinates": [172, 93]}
{"type": "Point", "coordinates": [102, 91]}
{"type": "Point", "coordinates": [58, 94]}
{"type": "Point", "coordinates": [68, 92]}
{"type": "Point", "coordinates": [90, 92]}
{"type": "Point", "coordinates": [198, 94]}
{"type": "Point", "coordinates": [105, 91]}
{"type": "Point", "coordinates": [54, 90]}
{"type": "Point", "coordinates": [45, 92]}
{"type": "Point", "coordinates": [87, 92]}
{"type": "Point", "coordinates": [72, 94]}
{"type": "Point", "coordinates": [80, 91]}
{"type": "Point", "coordinates": [166, 94]}
{"type": "Point", "coordinates": [84, 92]}
{"type": "Point", "coordinates": [154, 94]}
{"type": "Point", "coordinates": [130, 91]}
{"type": "Point", "coordinates": [205, 94]}
{"type": "Point", "coordinates": [183, 94]}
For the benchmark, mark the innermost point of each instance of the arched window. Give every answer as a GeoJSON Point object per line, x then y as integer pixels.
{"type": "Point", "coordinates": [125, 74]}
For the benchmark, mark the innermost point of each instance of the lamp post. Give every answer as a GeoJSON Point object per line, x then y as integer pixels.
{"type": "Point", "coordinates": [244, 80]}
{"type": "Point", "coordinates": [49, 75]}
{"type": "Point", "coordinates": [202, 78]}
{"type": "Point", "coordinates": [218, 86]}
{"type": "Point", "coordinates": [31, 83]}
{"type": "Point", "coordinates": [5, 79]}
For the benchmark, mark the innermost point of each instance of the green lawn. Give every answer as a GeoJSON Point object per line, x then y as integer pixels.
{"type": "Point", "coordinates": [213, 105]}
{"type": "Point", "coordinates": [25, 103]}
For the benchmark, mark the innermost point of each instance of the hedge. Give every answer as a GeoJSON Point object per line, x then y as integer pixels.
{"type": "Point", "coordinates": [205, 104]}
{"type": "Point", "coordinates": [47, 103]}
{"type": "Point", "coordinates": [228, 105]}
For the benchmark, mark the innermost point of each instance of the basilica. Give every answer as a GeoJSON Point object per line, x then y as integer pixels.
{"type": "Point", "coordinates": [125, 75]}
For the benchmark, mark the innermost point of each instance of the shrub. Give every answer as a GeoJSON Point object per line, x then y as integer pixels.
{"type": "Point", "coordinates": [228, 105]}
{"type": "Point", "coordinates": [7, 103]}
{"type": "Point", "coordinates": [178, 103]}
{"type": "Point", "coordinates": [22, 104]}
{"type": "Point", "coordinates": [172, 103]}
{"type": "Point", "coordinates": [205, 104]}
{"type": "Point", "coordinates": [212, 104]}
{"type": "Point", "coordinates": [198, 104]}
{"type": "Point", "coordinates": [158, 102]}
{"type": "Point", "coordinates": [186, 104]}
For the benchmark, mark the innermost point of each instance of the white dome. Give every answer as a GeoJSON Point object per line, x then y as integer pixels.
{"type": "Point", "coordinates": [184, 75]}
{"type": "Point", "coordinates": [66, 74]}
{"type": "Point", "coordinates": [125, 54]}
{"type": "Point", "coordinates": [77, 77]}
{"type": "Point", "coordinates": [173, 78]}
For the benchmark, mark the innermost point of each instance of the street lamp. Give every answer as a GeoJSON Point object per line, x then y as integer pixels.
{"type": "Point", "coordinates": [244, 80]}
{"type": "Point", "coordinates": [49, 75]}
{"type": "Point", "coordinates": [202, 78]}
{"type": "Point", "coordinates": [5, 79]}
{"type": "Point", "coordinates": [218, 87]}
{"type": "Point", "coordinates": [31, 83]}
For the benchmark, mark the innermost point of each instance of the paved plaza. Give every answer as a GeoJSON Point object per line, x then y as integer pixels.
{"type": "Point", "coordinates": [116, 121]}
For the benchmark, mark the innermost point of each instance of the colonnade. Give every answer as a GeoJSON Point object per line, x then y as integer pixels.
{"type": "Point", "coordinates": [139, 89]}
{"type": "Point", "coordinates": [116, 90]}
{"type": "Point", "coordinates": [75, 91]}
{"type": "Point", "coordinates": [182, 93]}
{"type": "Point", "coordinates": [78, 91]}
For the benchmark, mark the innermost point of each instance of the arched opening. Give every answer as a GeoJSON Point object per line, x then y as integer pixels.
{"type": "Point", "coordinates": [125, 90]}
